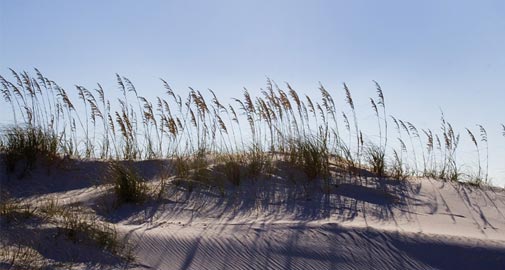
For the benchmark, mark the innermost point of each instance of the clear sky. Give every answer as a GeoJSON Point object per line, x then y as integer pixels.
{"type": "Point", "coordinates": [427, 55]}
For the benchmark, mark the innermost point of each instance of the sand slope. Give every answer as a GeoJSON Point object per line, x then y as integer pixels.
{"type": "Point", "coordinates": [275, 223]}
{"type": "Point", "coordinates": [328, 246]}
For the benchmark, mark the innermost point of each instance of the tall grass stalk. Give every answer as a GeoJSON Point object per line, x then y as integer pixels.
{"type": "Point", "coordinates": [278, 123]}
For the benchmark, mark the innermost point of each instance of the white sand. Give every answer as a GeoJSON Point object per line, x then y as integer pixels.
{"type": "Point", "coordinates": [276, 224]}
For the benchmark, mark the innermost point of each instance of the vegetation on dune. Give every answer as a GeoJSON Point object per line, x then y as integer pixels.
{"type": "Point", "coordinates": [28, 144]}
{"type": "Point", "coordinates": [70, 222]}
{"type": "Point", "coordinates": [250, 132]}
{"type": "Point", "coordinates": [128, 185]}
{"type": "Point", "coordinates": [208, 142]}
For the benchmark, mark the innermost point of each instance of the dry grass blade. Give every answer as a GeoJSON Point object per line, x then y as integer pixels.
{"type": "Point", "coordinates": [472, 137]}
{"type": "Point", "coordinates": [348, 97]}
{"type": "Point", "coordinates": [483, 133]}
{"type": "Point", "coordinates": [374, 107]}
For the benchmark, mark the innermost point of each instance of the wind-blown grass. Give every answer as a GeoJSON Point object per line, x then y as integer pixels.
{"type": "Point", "coordinates": [193, 129]}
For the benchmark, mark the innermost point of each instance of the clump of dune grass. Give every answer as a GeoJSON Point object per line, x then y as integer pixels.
{"type": "Point", "coordinates": [79, 227]}
{"type": "Point", "coordinates": [482, 173]}
{"type": "Point", "coordinates": [72, 222]}
{"type": "Point", "coordinates": [104, 235]}
{"type": "Point", "coordinates": [257, 162]}
{"type": "Point", "coordinates": [398, 169]}
{"type": "Point", "coordinates": [311, 156]}
{"type": "Point", "coordinates": [375, 156]}
{"type": "Point", "coordinates": [200, 167]}
{"type": "Point", "coordinates": [232, 169]}
{"type": "Point", "coordinates": [440, 160]}
{"type": "Point", "coordinates": [357, 133]}
{"type": "Point", "coordinates": [478, 178]}
{"type": "Point", "coordinates": [182, 166]}
{"type": "Point", "coordinates": [193, 169]}
{"type": "Point", "coordinates": [483, 139]}
{"type": "Point", "coordinates": [449, 169]}
{"type": "Point", "coordinates": [13, 211]}
{"type": "Point", "coordinates": [19, 256]}
{"type": "Point", "coordinates": [27, 145]}
{"type": "Point", "coordinates": [16, 255]}
{"type": "Point", "coordinates": [129, 187]}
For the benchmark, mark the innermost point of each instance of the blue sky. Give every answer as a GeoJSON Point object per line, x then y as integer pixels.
{"type": "Point", "coordinates": [427, 55]}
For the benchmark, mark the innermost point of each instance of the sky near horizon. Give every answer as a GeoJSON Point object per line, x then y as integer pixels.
{"type": "Point", "coordinates": [427, 55]}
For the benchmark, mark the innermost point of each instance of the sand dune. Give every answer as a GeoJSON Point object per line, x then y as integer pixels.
{"type": "Point", "coordinates": [274, 223]}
